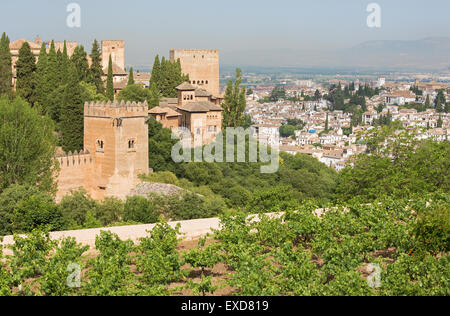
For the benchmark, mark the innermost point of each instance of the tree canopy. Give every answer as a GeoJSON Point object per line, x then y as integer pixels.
{"type": "Point", "coordinates": [27, 146]}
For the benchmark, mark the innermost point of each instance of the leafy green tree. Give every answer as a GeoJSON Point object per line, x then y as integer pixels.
{"type": "Point", "coordinates": [109, 211]}
{"type": "Point", "coordinates": [396, 164]}
{"type": "Point", "coordinates": [9, 199]}
{"type": "Point", "coordinates": [5, 66]}
{"type": "Point", "coordinates": [64, 65]}
{"type": "Point", "coordinates": [26, 67]}
{"type": "Point", "coordinates": [170, 77]}
{"type": "Point", "coordinates": [287, 130]}
{"type": "Point", "coordinates": [160, 147]}
{"type": "Point", "coordinates": [39, 211]}
{"type": "Point", "coordinates": [91, 91]}
{"type": "Point", "coordinates": [134, 92]}
{"type": "Point", "coordinates": [234, 103]}
{"type": "Point", "coordinates": [109, 81]}
{"type": "Point", "coordinates": [27, 146]}
{"type": "Point", "coordinates": [96, 71]}
{"type": "Point", "coordinates": [74, 208]}
{"type": "Point", "coordinates": [279, 92]}
{"type": "Point", "coordinates": [72, 113]}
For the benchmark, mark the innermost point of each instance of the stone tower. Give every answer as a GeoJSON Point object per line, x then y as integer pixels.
{"type": "Point", "coordinates": [117, 51]}
{"type": "Point", "coordinates": [116, 135]}
{"type": "Point", "coordinates": [201, 65]}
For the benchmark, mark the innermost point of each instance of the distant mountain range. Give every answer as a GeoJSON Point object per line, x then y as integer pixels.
{"type": "Point", "coordinates": [431, 53]}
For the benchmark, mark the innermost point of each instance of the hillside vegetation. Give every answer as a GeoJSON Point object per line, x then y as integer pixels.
{"type": "Point", "coordinates": [399, 246]}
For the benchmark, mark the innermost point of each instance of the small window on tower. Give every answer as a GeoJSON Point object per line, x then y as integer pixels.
{"type": "Point", "coordinates": [131, 144]}
{"type": "Point", "coordinates": [100, 145]}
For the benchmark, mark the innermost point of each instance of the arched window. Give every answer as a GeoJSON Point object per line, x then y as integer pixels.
{"type": "Point", "coordinates": [131, 144]}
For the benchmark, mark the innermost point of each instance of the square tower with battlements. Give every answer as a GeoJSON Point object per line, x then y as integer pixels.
{"type": "Point", "coordinates": [202, 66]}
{"type": "Point", "coordinates": [116, 49]}
{"type": "Point", "coordinates": [117, 136]}
{"type": "Point", "coordinates": [115, 151]}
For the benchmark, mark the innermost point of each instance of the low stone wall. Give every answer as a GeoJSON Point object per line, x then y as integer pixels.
{"type": "Point", "coordinates": [189, 230]}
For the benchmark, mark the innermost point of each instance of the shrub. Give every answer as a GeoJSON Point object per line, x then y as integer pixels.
{"type": "Point", "coordinates": [140, 210]}
{"type": "Point", "coordinates": [37, 212]}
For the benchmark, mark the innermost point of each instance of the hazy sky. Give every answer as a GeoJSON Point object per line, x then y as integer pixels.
{"type": "Point", "coordinates": [153, 27]}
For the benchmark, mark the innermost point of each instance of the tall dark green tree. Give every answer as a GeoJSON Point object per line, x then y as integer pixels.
{"type": "Point", "coordinates": [155, 97]}
{"type": "Point", "coordinates": [131, 77]}
{"type": "Point", "coordinates": [41, 77]}
{"type": "Point", "coordinates": [96, 71]}
{"type": "Point", "coordinates": [440, 102]}
{"type": "Point", "coordinates": [64, 65]}
{"type": "Point", "coordinates": [72, 114]}
{"type": "Point", "coordinates": [5, 65]}
{"type": "Point", "coordinates": [235, 102]}
{"type": "Point", "coordinates": [110, 82]}
{"type": "Point", "coordinates": [53, 71]}
{"type": "Point", "coordinates": [79, 59]}
{"type": "Point", "coordinates": [59, 60]}
{"type": "Point", "coordinates": [317, 95]}
{"type": "Point", "coordinates": [427, 102]}
{"type": "Point", "coordinates": [26, 67]}
{"type": "Point", "coordinates": [156, 75]}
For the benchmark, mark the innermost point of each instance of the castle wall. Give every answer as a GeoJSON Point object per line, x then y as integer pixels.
{"type": "Point", "coordinates": [75, 171]}
{"type": "Point", "coordinates": [69, 45]}
{"type": "Point", "coordinates": [201, 65]}
{"type": "Point", "coordinates": [117, 51]}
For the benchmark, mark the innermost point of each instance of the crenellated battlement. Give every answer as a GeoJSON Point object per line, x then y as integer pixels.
{"type": "Point", "coordinates": [116, 109]}
{"type": "Point", "coordinates": [76, 159]}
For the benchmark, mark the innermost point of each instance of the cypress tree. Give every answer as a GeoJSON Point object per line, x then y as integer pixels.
{"type": "Point", "coordinates": [155, 97]}
{"type": "Point", "coordinates": [155, 81]}
{"type": "Point", "coordinates": [79, 59]}
{"type": "Point", "coordinates": [53, 74]}
{"type": "Point", "coordinates": [59, 62]}
{"type": "Point", "coordinates": [96, 71]}
{"type": "Point", "coordinates": [131, 77]}
{"type": "Point", "coordinates": [41, 77]}
{"type": "Point", "coordinates": [5, 65]}
{"type": "Point", "coordinates": [440, 122]}
{"type": "Point", "coordinates": [26, 67]}
{"type": "Point", "coordinates": [427, 102]}
{"type": "Point", "coordinates": [163, 80]}
{"type": "Point", "coordinates": [64, 65]}
{"type": "Point", "coordinates": [72, 114]}
{"type": "Point", "coordinates": [110, 82]}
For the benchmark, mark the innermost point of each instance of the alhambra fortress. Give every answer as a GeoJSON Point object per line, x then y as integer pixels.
{"type": "Point", "coordinates": [116, 133]}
